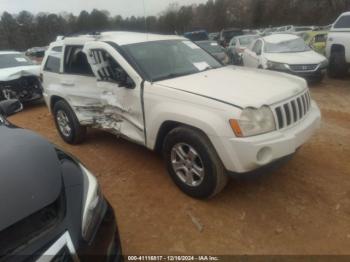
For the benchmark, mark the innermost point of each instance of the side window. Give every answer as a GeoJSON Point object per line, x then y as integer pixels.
{"type": "Point", "coordinates": [343, 22]}
{"type": "Point", "coordinates": [53, 64]}
{"type": "Point", "coordinates": [108, 69]}
{"type": "Point", "coordinates": [257, 47]}
{"type": "Point", "coordinates": [76, 62]}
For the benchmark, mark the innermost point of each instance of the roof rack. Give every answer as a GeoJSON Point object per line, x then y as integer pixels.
{"type": "Point", "coordinates": [91, 33]}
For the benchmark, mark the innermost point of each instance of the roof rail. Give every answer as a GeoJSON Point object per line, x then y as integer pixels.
{"type": "Point", "coordinates": [92, 33]}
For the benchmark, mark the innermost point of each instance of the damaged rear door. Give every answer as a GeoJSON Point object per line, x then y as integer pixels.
{"type": "Point", "coordinates": [121, 93]}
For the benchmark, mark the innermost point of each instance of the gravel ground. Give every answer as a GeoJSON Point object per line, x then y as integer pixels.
{"type": "Point", "coordinates": [303, 207]}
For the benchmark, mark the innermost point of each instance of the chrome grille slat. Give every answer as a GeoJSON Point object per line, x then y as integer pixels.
{"type": "Point", "coordinates": [292, 111]}
{"type": "Point", "coordinates": [309, 67]}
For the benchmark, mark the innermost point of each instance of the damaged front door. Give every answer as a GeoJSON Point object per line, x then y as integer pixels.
{"type": "Point", "coordinates": [120, 85]}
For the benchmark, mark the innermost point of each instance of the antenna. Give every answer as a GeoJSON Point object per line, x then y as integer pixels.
{"type": "Point", "coordinates": [145, 17]}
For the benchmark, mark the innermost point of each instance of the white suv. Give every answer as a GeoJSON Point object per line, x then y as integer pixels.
{"type": "Point", "coordinates": [338, 46]}
{"type": "Point", "coordinates": [169, 95]}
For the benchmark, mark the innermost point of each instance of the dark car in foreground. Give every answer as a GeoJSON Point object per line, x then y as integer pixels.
{"type": "Point", "coordinates": [52, 208]}
{"type": "Point", "coordinates": [213, 48]}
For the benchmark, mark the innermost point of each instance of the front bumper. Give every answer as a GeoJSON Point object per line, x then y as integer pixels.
{"type": "Point", "coordinates": [63, 244]}
{"type": "Point", "coordinates": [310, 76]}
{"type": "Point", "coordinates": [242, 155]}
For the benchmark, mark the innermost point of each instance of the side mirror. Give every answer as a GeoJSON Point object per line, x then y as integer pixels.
{"type": "Point", "coordinates": [124, 80]}
{"type": "Point", "coordinates": [10, 107]}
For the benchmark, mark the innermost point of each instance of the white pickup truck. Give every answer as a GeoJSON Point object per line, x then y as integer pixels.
{"type": "Point", "coordinates": [338, 46]}
{"type": "Point", "coordinates": [169, 95]}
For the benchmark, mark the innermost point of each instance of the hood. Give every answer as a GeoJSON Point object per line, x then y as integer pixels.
{"type": "Point", "coordinates": [299, 58]}
{"type": "Point", "coordinates": [240, 86]}
{"type": "Point", "coordinates": [30, 176]}
{"type": "Point", "coordinates": [13, 73]}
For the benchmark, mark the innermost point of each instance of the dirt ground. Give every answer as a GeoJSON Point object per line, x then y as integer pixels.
{"type": "Point", "coordinates": [303, 207]}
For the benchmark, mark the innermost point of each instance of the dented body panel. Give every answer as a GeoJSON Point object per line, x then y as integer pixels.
{"type": "Point", "coordinates": [20, 82]}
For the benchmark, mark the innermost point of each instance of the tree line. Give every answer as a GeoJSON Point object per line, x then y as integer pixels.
{"type": "Point", "coordinates": [24, 30]}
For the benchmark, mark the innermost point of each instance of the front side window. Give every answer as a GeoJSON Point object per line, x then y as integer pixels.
{"type": "Point", "coordinates": [53, 64]}
{"type": "Point", "coordinates": [14, 60]}
{"type": "Point", "coordinates": [290, 46]}
{"type": "Point", "coordinates": [108, 69]}
{"type": "Point", "coordinates": [166, 59]}
{"type": "Point", "coordinates": [343, 22]}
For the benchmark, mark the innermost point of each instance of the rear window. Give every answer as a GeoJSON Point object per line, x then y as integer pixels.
{"type": "Point", "coordinates": [343, 22]}
{"type": "Point", "coordinates": [14, 60]}
{"type": "Point", "coordinates": [53, 64]}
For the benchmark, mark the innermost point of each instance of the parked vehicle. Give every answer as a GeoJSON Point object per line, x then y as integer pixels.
{"type": "Point", "coordinates": [227, 34]}
{"type": "Point", "coordinates": [36, 54]}
{"type": "Point", "coordinates": [19, 77]}
{"type": "Point", "coordinates": [52, 208]}
{"type": "Point", "coordinates": [214, 36]}
{"type": "Point", "coordinates": [286, 53]}
{"type": "Point", "coordinates": [169, 95]}
{"type": "Point", "coordinates": [237, 46]}
{"type": "Point", "coordinates": [213, 48]}
{"type": "Point", "coordinates": [338, 46]}
{"type": "Point", "coordinates": [200, 35]}
{"type": "Point", "coordinates": [316, 40]}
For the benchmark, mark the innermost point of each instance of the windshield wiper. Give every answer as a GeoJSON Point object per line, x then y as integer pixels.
{"type": "Point", "coordinates": [172, 75]}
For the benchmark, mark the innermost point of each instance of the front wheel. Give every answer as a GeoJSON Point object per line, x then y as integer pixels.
{"type": "Point", "coordinates": [193, 163]}
{"type": "Point", "coordinates": [337, 65]}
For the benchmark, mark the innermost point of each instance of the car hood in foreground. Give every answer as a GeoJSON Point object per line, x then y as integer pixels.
{"type": "Point", "coordinates": [239, 86]}
{"type": "Point", "coordinates": [30, 176]}
{"type": "Point", "coordinates": [298, 58]}
{"type": "Point", "coordinates": [13, 73]}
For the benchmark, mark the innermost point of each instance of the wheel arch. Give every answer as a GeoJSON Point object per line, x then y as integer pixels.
{"type": "Point", "coordinates": [337, 48]}
{"type": "Point", "coordinates": [168, 126]}
{"type": "Point", "coordinates": [53, 100]}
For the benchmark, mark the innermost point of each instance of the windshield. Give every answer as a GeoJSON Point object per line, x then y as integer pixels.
{"type": "Point", "coordinates": [197, 36]}
{"type": "Point", "coordinates": [291, 46]}
{"type": "Point", "coordinates": [211, 47]}
{"type": "Point", "coordinates": [14, 60]}
{"type": "Point", "coordinates": [161, 60]}
{"type": "Point", "coordinates": [247, 40]}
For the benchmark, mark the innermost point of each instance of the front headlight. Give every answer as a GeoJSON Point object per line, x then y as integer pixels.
{"type": "Point", "coordinates": [94, 206]}
{"type": "Point", "coordinates": [277, 66]}
{"type": "Point", "coordinates": [254, 122]}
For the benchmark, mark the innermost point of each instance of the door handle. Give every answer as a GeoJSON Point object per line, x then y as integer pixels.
{"type": "Point", "coordinates": [107, 93]}
{"type": "Point", "coordinates": [66, 83]}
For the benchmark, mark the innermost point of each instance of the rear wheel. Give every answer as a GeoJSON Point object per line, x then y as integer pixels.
{"type": "Point", "coordinates": [67, 124]}
{"type": "Point", "coordinates": [337, 65]}
{"type": "Point", "coordinates": [193, 163]}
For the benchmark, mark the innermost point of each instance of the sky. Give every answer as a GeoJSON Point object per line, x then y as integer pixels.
{"type": "Point", "coordinates": [115, 7]}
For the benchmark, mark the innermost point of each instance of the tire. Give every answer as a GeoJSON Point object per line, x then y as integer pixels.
{"type": "Point", "coordinates": [213, 178]}
{"type": "Point", "coordinates": [337, 65]}
{"type": "Point", "coordinates": [77, 133]}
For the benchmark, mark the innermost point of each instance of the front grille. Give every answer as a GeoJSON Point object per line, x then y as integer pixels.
{"type": "Point", "coordinates": [293, 111]}
{"type": "Point", "coordinates": [17, 236]}
{"type": "Point", "coordinates": [300, 68]}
